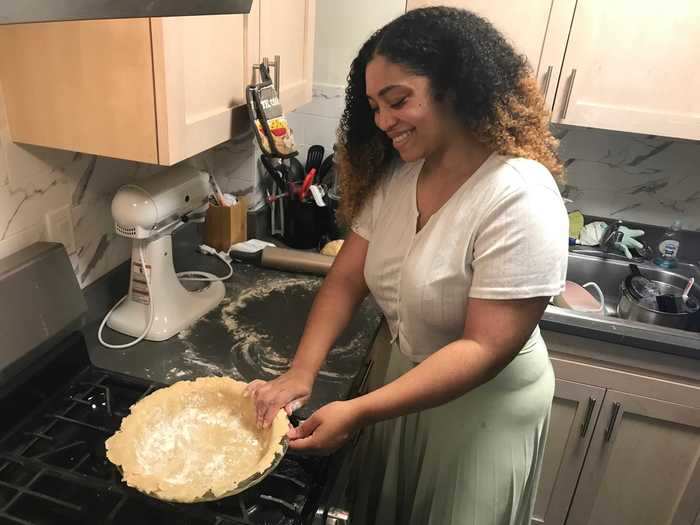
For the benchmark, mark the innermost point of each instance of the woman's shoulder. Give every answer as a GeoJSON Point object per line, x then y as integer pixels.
{"type": "Point", "coordinates": [521, 174]}
{"type": "Point", "coordinates": [521, 184]}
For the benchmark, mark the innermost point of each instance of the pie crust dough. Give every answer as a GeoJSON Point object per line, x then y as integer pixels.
{"type": "Point", "coordinates": [196, 441]}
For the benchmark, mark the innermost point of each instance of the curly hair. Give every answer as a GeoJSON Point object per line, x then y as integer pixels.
{"type": "Point", "coordinates": [471, 68]}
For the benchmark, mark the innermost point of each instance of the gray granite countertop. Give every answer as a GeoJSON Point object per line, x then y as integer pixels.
{"type": "Point", "coordinates": [252, 334]}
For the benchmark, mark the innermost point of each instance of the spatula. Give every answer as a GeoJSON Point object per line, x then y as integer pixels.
{"type": "Point", "coordinates": [314, 158]}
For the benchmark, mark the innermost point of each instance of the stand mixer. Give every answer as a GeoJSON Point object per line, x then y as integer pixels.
{"type": "Point", "coordinates": [158, 306]}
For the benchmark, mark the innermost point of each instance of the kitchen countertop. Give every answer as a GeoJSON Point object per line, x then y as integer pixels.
{"type": "Point", "coordinates": [252, 334]}
{"type": "Point", "coordinates": [619, 331]}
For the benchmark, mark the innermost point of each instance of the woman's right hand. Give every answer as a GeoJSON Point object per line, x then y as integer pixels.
{"type": "Point", "coordinates": [289, 391]}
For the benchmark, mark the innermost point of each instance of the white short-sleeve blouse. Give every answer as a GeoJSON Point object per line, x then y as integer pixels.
{"type": "Point", "coordinates": [502, 235]}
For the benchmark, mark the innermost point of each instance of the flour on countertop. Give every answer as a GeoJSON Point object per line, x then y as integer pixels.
{"type": "Point", "coordinates": [251, 341]}
{"type": "Point", "coordinates": [263, 289]}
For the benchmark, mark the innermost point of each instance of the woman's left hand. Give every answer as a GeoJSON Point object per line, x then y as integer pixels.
{"type": "Point", "coordinates": [328, 429]}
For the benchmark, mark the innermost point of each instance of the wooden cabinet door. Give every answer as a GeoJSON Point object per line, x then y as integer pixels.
{"type": "Point", "coordinates": [287, 29]}
{"type": "Point", "coordinates": [202, 65]}
{"type": "Point", "coordinates": [633, 66]}
{"type": "Point", "coordinates": [643, 465]}
{"type": "Point", "coordinates": [547, 20]}
{"type": "Point", "coordinates": [81, 86]}
{"type": "Point", "coordinates": [574, 413]}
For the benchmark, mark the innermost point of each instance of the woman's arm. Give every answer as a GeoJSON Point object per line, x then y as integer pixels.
{"type": "Point", "coordinates": [342, 290]}
{"type": "Point", "coordinates": [494, 332]}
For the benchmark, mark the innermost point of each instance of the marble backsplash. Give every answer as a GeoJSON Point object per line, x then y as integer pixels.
{"type": "Point", "coordinates": [639, 178]}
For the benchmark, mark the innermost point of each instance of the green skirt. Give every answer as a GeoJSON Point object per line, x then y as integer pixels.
{"type": "Point", "coordinates": [473, 461]}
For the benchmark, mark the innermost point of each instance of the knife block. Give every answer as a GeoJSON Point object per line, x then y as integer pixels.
{"type": "Point", "coordinates": [226, 225]}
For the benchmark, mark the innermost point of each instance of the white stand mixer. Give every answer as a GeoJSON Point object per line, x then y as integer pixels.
{"type": "Point", "coordinates": [158, 306]}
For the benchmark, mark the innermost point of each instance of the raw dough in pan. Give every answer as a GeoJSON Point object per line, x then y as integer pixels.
{"type": "Point", "coordinates": [196, 441]}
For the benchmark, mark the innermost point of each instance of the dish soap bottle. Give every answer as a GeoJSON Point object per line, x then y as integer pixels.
{"type": "Point", "coordinates": [668, 247]}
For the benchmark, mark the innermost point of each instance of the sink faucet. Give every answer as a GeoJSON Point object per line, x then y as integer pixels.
{"type": "Point", "coordinates": [611, 236]}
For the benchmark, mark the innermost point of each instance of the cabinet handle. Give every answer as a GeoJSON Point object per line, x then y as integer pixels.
{"type": "Point", "coordinates": [613, 419]}
{"type": "Point", "coordinates": [568, 93]}
{"type": "Point", "coordinates": [268, 65]}
{"type": "Point", "coordinates": [545, 83]}
{"type": "Point", "coordinates": [589, 412]}
{"type": "Point", "coordinates": [276, 64]}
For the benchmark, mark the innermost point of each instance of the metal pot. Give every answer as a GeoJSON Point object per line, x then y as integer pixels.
{"type": "Point", "coordinates": [638, 301]}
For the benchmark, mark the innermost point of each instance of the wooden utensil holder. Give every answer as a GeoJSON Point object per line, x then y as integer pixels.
{"type": "Point", "coordinates": [226, 225]}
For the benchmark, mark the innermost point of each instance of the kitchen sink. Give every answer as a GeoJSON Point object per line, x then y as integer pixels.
{"type": "Point", "coordinates": [609, 271]}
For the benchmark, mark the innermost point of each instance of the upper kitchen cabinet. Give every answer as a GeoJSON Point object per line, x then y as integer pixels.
{"type": "Point", "coordinates": [623, 65]}
{"type": "Point", "coordinates": [546, 20]}
{"type": "Point", "coordinates": [287, 31]}
{"type": "Point", "coordinates": [152, 90]}
{"type": "Point", "coordinates": [633, 66]}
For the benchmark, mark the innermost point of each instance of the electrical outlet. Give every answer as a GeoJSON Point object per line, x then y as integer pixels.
{"type": "Point", "coordinates": [59, 228]}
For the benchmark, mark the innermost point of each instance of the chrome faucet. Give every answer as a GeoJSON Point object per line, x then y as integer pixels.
{"type": "Point", "coordinates": [611, 236]}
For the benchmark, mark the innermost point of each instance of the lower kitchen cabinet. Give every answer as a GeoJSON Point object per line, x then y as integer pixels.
{"type": "Point", "coordinates": [574, 413]}
{"type": "Point", "coordinates": [643, 465]}
{"type": "Point", "coordinates": [624, 441]}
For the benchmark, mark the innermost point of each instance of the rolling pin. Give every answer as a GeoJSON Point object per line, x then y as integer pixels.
{"type": "Point", "coordinates": [288, 260]}
{"type": "Point", "coordinates": [296, 260]}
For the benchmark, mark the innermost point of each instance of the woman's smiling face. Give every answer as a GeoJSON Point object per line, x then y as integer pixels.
{"type": "Point", "coordinates": [404, 109]}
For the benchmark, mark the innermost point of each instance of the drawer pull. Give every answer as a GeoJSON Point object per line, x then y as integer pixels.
{"type": "Point", "coordinates": [568, 93]}
{"type": "Point", "coordinates": [613, 419]}
{"type": "Point", "coordinates": [589, 413]}
{"type": "Point", "coordinates": [547, 79]}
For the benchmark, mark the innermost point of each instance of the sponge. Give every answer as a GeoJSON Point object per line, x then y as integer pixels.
{"type": "Point", "coordinates": [575, 224]}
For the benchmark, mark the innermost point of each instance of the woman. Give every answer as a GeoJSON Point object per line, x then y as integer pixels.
{"type": "Point", "coordinates": [460, 234]}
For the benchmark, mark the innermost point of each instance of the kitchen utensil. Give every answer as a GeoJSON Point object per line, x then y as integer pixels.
{"type": "Point", "coordinates": [285, 259]}
{"type": "Point", "coordinates": [314, 158]}
{"type": "Point", "coordinates": [274, 172]}
{"type": "Point", "coordinates": [325, 169]}
{"type": "Point", "coordinates": [318, 193]}
{"type": "Point", "coordinates": [217, 190]}
{"type": "Point", "coordinates": [272, 130]}
{"type": "Point", "coordinates": [296, 260]}
{"type": "Point", "coordinates": [296, 171]}
{"type": "Point", "coordinates": [687, 289]}
{"type": "Point", "coordinates": [275, 198]}
{"type": "Point", "coordinates": [667, 303]}
{"type": "Point", "coordinates": [639, 301]}
{"type": "Point", "coordinates": [576, 297]}
{"type": "Point", "coordinates": [308, 181]}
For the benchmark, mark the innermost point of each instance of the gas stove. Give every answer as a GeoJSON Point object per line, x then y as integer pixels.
{"type": "Point", "coordinates": [53, 468]}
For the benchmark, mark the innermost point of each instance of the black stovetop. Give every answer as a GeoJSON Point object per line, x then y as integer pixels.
{"type": "Point", "coordinates": [53, 468]}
